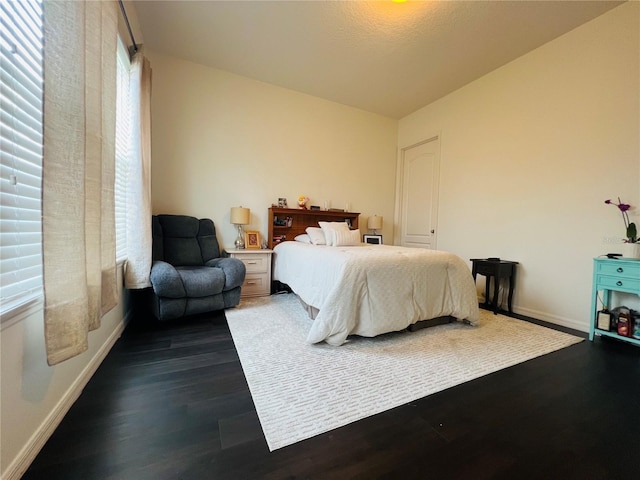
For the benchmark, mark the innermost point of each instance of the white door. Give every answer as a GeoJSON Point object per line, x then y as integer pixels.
{"type": "Point", "coordinates": [417, 214]}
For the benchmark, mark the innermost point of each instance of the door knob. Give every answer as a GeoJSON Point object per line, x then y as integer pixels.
{"type": "Point", "coordinates": [433, 231]}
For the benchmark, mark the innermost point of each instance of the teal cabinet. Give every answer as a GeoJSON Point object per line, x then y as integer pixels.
{"type": "Point", "coordinates": [612, 275]}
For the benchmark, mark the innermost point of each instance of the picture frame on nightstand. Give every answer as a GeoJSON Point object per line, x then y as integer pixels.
{"type": "Point", "coordinates": [372, 239]}
{"type": "Point", "coordinates": [252, 239]}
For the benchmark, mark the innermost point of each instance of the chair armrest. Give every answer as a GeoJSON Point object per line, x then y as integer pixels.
{"type": "Point", "coordinates": [166, 280]}
{"type": "Point", "coordinates": [233, 268]}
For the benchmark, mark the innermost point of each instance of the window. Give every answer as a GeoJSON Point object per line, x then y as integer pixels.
{"type": "Point", "coordinates": [21, 138]}
{"type": "Point", "coordinates": [123, 149]}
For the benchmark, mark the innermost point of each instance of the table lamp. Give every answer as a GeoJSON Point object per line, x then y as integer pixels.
{"type": "Point", "coordinates": [374, 223]}
{"type": "Point", "coordinates": [240, 216]}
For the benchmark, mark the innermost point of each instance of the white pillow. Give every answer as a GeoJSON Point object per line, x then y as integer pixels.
{"type": "Point", "coordinates": [348, 238]}
{"type": "Point", "coordinates": [316, 235]}
{"type": "Point", "coordinates": [304, 238]}
{"type": "Point", "coordinates": [329, 229]}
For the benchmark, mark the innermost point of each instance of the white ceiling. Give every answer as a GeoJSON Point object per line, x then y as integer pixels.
{"type": "Point", "coordinates": [379, 56]}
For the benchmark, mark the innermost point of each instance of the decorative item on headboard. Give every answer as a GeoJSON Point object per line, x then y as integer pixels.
{"type": "Point", "coordinates": [302, 202]}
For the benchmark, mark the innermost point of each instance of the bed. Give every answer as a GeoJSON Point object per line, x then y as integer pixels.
{"type": "Point", "coordinates": [369, 290]}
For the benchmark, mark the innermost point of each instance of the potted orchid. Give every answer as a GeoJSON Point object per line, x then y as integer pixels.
{"type": "Point", "coordinates": [632, 243]}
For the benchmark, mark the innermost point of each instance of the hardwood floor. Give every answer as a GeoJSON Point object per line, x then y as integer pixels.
{"type": "Point", "coordinates": [170, 401]}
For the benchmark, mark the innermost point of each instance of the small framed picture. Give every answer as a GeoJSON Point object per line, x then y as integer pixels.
{"type": "Point", "coordinates": [282, 203]}
{"type": "Point", "coordinates": [252, 239]}
{"type": "Point", "coordinates": [372, 239]}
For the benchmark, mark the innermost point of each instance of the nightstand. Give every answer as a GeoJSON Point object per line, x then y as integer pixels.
{"type": "Point", "coordinates": [496, 268]}
{"type": "Point", "coordinates": [257, 283]}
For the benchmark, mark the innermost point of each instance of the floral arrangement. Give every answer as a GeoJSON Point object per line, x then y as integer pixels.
{"type": "Point", "coordinates": [302, 202]}
{"type": "Point", "coordinates": [631, 230]}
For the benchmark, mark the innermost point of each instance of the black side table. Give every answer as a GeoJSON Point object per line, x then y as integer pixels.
{"type": "Point", "coordinates": [496, 268]}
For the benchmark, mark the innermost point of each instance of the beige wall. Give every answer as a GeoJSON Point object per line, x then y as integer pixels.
{"type": "Point", "coordinates": [222, 140]}
{"type": "Point", "coordinates": [529, 154]}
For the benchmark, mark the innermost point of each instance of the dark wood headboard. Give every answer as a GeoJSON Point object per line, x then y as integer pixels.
{"type": "Point", "coordinates": [300, 220]}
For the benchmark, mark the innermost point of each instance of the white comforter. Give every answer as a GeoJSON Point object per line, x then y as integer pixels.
{"type": "Point", "coordinates": [368, 290]}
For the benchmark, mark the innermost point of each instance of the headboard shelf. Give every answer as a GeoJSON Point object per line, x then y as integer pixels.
{"type": "Point", "coordinates": [294, 221]}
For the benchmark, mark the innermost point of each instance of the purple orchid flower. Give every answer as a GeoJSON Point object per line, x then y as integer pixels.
{"type": "Point", "coordinates": [632, 233]}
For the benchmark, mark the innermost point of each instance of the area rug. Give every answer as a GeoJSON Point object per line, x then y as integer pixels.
{"type": "Point", "coordinates": [302, 390]}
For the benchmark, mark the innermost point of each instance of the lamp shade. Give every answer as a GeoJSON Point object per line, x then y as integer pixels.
{"type": "Point", "coordinates": [374, 223]}
{"type": "Point", "coordinates": [240, 215]}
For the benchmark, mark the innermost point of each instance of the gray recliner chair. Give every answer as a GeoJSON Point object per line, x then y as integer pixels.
{"type": "Point", "coordinates": [188, 274]}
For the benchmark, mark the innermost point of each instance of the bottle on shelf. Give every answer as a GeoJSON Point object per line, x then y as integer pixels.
{"type": "Point", "coordinates": [624, 324]}
{"type": "Point", "coordinates": [635, 315]}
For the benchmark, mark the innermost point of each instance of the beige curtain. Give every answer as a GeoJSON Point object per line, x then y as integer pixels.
{"type": "Point", "coordinates": [138, 264]}
{"type": "Point", "coordinates": [78, 174]}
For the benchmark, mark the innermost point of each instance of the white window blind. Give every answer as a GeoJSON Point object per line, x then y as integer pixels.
{"type": "Point", "coordinates": [123, 148]}
{"type": "Point", "coordinates": [21, 137]}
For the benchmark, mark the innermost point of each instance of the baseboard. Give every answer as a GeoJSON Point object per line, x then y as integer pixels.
{"type": "Point", "coordinates": [29, 452]}
{"type": "Point", "coordinates": [546, 317]}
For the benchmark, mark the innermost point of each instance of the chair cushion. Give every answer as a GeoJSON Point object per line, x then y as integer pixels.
{"type": "Point", "coordinates": [201, 281]}
{"type": "Point", "coordinates": [157, 250]}
{"type": "Point", "coordinates": [179, 243]}
{"type": "Point", "coordinates": [234, 271]}
{"type": "Point", "coordinates": [179, 225]}
{"type": "Point", "coordinates": [182, 251]}
{"type": "Point", "coordinates": [207, 239]}
{"type": "Point", "coordinates": [166, 281]}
